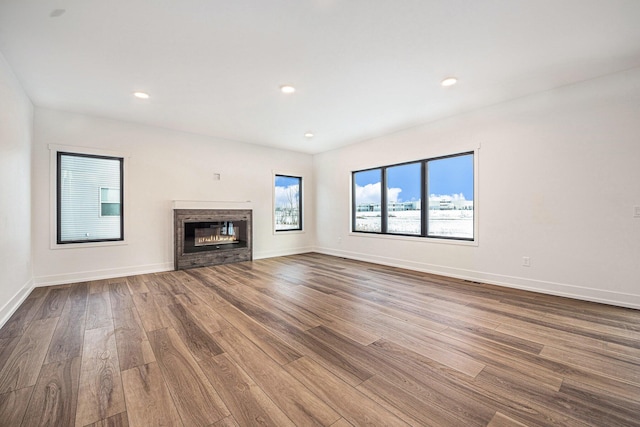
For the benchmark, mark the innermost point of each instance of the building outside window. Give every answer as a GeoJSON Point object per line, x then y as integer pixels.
{"type": "Point", "coordinates": [109, 202]}
{"type": "Point", "coordinates": [89, 198]}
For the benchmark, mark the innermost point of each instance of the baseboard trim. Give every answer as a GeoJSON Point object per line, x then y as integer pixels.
{"type": "Point", "coordinates": [545, 287]}
{"type": "Point", "coordinates": [286, 252]}
{"type": "Point", "coordinates": [85, 276]}
{"type": "Point", "coordinates": [12, 305]}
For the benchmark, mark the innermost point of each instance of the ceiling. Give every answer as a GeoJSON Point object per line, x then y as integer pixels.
{"type": "Point", "coordinates": [362, 68]}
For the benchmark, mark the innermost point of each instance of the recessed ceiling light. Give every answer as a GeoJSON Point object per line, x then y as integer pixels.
{"type": "Point", "coordinates": [308, 135]}
{"type": "Point", "coordinates": [287, 89]}
{"type": "Point", "coordinates": [449, 81]}
{"type": "Point", "coordinates": [141, 95]}
{"type": "Point", "coordinates": [57, 12]}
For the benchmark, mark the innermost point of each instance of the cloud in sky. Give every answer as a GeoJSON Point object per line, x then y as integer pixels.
{"type": "Point", "coordinates": [370, 193]}
{"type": "Point", "coordinates": [393, 193]}
{"type": "Point", "coordinates": [285, 196]}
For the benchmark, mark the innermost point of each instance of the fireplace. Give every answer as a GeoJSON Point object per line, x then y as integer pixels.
{"type": "Point", "coordinates": [211, 236]}
{"type": "Point", "coordinates": [202, 236]}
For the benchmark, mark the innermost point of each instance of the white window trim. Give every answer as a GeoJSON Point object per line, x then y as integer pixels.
{"type": "Point", "coordinates": [53, 165]}
{"type": "Point", "coordinates": [273, 203]}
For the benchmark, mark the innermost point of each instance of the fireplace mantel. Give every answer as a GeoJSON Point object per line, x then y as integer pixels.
{"type": "Point", "coordinates": [212, 204]}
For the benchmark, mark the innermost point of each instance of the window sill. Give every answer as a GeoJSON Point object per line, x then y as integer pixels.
{"type": "Point", "coordinates": [287, 232]}
{"type": "Point", "coordinates": [416, 239]}
{"type": "Point", "coordinates": [56, 246]}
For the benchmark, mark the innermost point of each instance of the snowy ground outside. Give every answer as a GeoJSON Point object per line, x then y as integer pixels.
{"type": "Point", "coordinates": [287, 227]}
{"type": "Point", "coordinates": [445, 223]}
{"type": "Point", "coordinates": [287, 219]}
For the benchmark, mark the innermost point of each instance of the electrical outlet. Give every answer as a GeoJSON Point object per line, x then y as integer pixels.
{"type": "Point", "coordinates": [636, 211]}
{"type": "Point", "coordinates": [526, 261]}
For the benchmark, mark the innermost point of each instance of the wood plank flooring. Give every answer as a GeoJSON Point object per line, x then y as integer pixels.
{"type": "Point", "coordinates": [310, 340]}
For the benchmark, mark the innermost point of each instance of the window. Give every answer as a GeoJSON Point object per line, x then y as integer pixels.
{"type": "Point", "coordinates": [89, 198]}
{"type": "Point", "coordinates": [367, 200]}
{"type": "Point", "coordinates": [404, 199]}
{"type": "Point", "coordinates": [427, 198]}
{"type": "Point", "coordinates": [288, 203]}
{"type": "Point", "coordinates": [450, 189]}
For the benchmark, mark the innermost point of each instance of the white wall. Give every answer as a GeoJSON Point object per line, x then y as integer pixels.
{"type": "Point", "coordinates": [559, 176]}
{"type": "Point", "coordinates": [16, 123]}
{"type": "Point", "coordinates": [558, 181]}
{"type": "Point", "coordinates": [163, 166]}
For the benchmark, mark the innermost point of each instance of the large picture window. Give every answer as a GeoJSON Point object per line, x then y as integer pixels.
{"type": "Point", "coordinates": [427, 198]}
{"type": "Point", "coordinates": [288, 203]}
{"type": "Point", "coordinates": [89, 198]}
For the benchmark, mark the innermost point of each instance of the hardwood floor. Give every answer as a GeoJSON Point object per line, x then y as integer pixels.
{"type": "Point", "coordinates": [315, 340]}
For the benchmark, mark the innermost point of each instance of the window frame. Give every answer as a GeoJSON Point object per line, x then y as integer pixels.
{"type": "Point", "coordinates": [300, 227]}
{"type": "Point", "coordinates": [353, 200]}
{"type": "Point", "coordinates": [59, 156]}
{"type": "Point", "coordinates": [424, 201]}
{"type": "Point", "coordinates": [426, 183]}
{"type": "Point", "coordinates": [423, 177]}
{"type": "Point", "coordinates": [54, 149]}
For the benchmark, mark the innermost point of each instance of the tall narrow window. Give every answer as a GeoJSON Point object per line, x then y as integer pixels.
{"type": "Point", "coordinates": [288, 203]}
{"type": "Point", "coordinates": [404, 192]}
{"type": "Point", "coordinates": [89, 198]}
{"type": "Point", "coordinates": [450, 189]}
{"type": "Point", "coordinates": [367, 197]}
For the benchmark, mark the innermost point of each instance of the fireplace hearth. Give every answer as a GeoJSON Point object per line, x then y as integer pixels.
{"type": "Point", "coordinates": [206, 237]}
